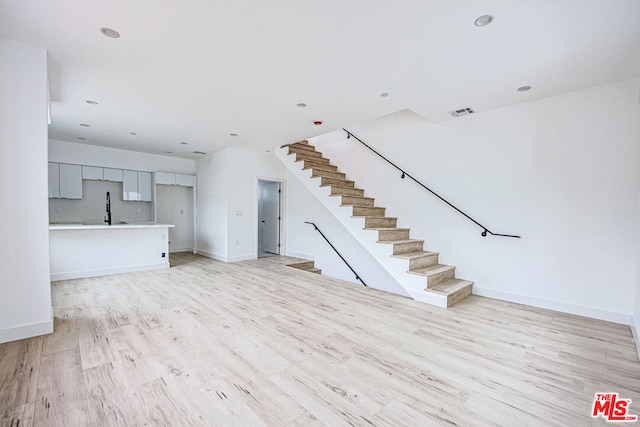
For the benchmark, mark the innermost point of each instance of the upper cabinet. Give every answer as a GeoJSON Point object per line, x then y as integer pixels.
{"type": "Point", "coordinates": [145, 192]}
{"type": "Point", "coordinates": [65, 181]}
{"type": "Point", "coordinates": [114, 175]}
{"type": "Point", "coordinates": [54, 180]}
{"type": "Point", "coordinates": [93, 173]}
{"type": "Point", "coordinates": [167, 178]}
{"type": "Point", "coordinates": [136, 186]}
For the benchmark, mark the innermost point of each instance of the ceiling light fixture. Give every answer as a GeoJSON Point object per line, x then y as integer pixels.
{"type": "Point", "coordinates": [84, 125]}
{"type": "Point", "coordinates": [483, 21]}
{"type": "Point", "coordinates": [301, 105]}
{"type": "Point", "coordinates": [524, 88]}
{"type": "Point", "coordinates": [88, 101]}
{"type": "Point", "coordinates": [317, 122]}
{"type": "Point", "coordinates": [81, 138]}
{"type": "Point", "coordinates": [132, 133]}
{"type": "Point", "coordinates": [384, 94]}
{"type": "Point", "coordinates": [110, 32]}
{"type": "Point", "coordinates": [168, 152]}
{"type": "Point", "coordinates": [233, 134]}
{"type": "Point", "coordinates": [183, 143]}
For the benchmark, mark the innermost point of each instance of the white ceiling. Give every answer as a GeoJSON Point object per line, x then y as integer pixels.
{"type": "Point", "coordinates": [196, 71]}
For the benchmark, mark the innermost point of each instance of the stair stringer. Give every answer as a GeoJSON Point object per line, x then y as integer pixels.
{"type": "Point", "coordinates": [414, 285]}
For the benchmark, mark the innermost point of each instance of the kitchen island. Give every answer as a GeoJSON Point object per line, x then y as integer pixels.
{"type": "Point", "coordinates": [78, 250]}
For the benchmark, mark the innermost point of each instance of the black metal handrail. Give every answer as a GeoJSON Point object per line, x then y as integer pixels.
{"type": "Point", "coordinates": [485, 230]}
{"type": "Point", "coordinates": [336, 251]}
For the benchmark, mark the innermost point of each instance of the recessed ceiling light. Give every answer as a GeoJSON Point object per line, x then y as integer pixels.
{"type": "Point", "coordinates": [268, 151]}
{"type": "Point", "coordinates": [524, 88]}
{"type": "Point", "coordinates": [483, 20]}
{"type": "Point", "coordinates": [168, 152]}
{"type": "Point", "coordinates": [88, 101]}
{"type": "Point", "coordinates": [110, 32]}
{"type": "Point", "coordinates": [317, 122]}
{"type": "Point", "coordinates": [132, 133]}
{"type": "Point", "coordinates": [81, 138]}
{"type": "Point", "coordinates": [84, 125]}
{"type": "Point", "coordinates": [301, 105]}
{"type": "Point", "coordinates": [183, 143]}
{"type": "Point", "coordinates": [233, 134]}
{"type": "Point", "coordinates": [199, 152]}
{"type": "Point", "coordinates": [384, 94]}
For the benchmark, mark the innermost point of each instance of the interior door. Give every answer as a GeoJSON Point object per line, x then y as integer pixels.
{"type": "Point", "coordinates": [268, 218]}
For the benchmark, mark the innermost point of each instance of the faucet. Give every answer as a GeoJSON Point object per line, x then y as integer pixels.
{"type": "Point", "coordinates": [107, 217]}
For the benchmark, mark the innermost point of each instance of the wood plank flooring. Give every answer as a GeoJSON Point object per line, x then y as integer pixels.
{"type": "Point", "coordinates": [257, 344]}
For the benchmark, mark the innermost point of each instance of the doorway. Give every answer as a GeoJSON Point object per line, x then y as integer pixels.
{"type": "Point", "coordinates": [269, 218]}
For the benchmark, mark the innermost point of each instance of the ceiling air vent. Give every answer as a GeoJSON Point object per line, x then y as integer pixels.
{"type": "Point", "coordinates": [462, 112]}
{"type": "Point", "coordinates": [198, 152]}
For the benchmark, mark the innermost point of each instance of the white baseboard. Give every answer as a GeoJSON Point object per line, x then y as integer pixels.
{"type": "Point", "coordinates": [211, 255]}
{"type": "Point", "coordinates": [106, 271]}
{"type": "Point", "coordinates": [299, 255]}
{"type": "Point", "coordinates": [185, 249]}
{"type": "Point", "coordinates": [241, 258]}
{"type": "Point", "coordinates": [27, 331]}
{"type": "Point", "coordinates": [595, 313]}
{"type": "Point", "coordinates": [635, 330]}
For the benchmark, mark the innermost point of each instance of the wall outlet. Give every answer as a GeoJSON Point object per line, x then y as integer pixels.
{"type": "Point", "coordinates": [164, 254]}
{"type": "Point", "coordinates": [181, 211]}
{"type": "Point", "coordinates": [139, 210]}
{"type": "Point", "coordinates": [237, 242]}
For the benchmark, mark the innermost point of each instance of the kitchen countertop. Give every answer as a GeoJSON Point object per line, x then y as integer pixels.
{"type": "Point", "coordinates": [106, 226]}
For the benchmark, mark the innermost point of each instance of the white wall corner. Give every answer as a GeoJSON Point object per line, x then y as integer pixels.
{"type": "Point", "coordinates": [212, 255]}
{"type": "Point", "coordinates": [300, 255]}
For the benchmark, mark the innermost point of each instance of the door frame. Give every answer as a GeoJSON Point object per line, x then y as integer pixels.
{"type": "Point", "coordinates": [283, 217]}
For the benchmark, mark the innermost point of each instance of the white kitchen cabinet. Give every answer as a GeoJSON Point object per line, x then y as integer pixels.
{"type": "Point", "coordinates": [185, 180]}
{"type": "Point", "coordinates": [92, 173]}
{"type": "Point", "coordinates": [168, 178]}
{"type": "Point", "coordinates": [70, 181]}
{"type": "Point", "coordinates": [145, 188]}
{"type": "Point", "coordinates": [165, 178]}
{"type": "Point", "coordinates": [129, 185]}
{"type": "Point", "coordinates": [114, 175]}
{"type": "Point", "coordinates": [54, 180]}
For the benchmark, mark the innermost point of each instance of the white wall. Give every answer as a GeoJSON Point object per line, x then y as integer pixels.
{"type": "Point", "coordinates": [228, 201]}
{"type": "Point", "coordinates": [211, 226]}
{"type": "Point", "coordinates": [84, 154]}
{"type": "Point", "coordinates": [562, 172]}
{"type": "Point", "coordinates": [25, 291]}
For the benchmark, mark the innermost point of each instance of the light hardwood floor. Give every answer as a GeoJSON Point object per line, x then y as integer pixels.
{"type": "Point", "coordinates": [255, 343]}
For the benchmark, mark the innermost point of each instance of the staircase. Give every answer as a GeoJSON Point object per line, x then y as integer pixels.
{"type": "Point", "coordinates": [415, 269]}
{"type": "Point", "coordinates": [306, 266]}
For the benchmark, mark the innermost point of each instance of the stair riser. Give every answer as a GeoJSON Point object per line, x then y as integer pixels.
{"type": "Point", "coordinates": [303, 265]}
{"type": "Point", "coordinates": [380, 222]}
{"type": "Point", "coordinates": [337, 182]}
{"type": "Point", "coordinates": [368, 211]}
{"type": "Point", "coordinates": [403, 248]}
{"type": "Point", "coordinates": [319, 172]}
{"type": "Point", "coordinates": [316, 162]}
{"type": "Point", "coordinates": [384, 235]}
{"type": "Point", "coordinates": [301, 147]}
{"type": "Point", "coordinates": [339, 191]}
{"type": "Point", "coordinates": [438, 278]}
{"type": "Point", "coordinates": [423, 262]}
{"type": "Point", "coordinates": [459, 295]}
{"type": "Point", "coordinates": [326, 167]}
{"type": "Point", "coordinates": [357, 201]}
{"type": "Point", "coordinates": [304, 152]}
{"type": "Point", "coordinates": [311, 160]}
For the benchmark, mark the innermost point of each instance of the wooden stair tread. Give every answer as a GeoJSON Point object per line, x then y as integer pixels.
{"type": "Point", "coordinates": [451, 286]}
{"type": "Point", "coordinates": [304, 142]}
{"type": "Point", "coordinates": [399, 242]}
{"type": "Point", "coordinates": [416, 254]}
{"type": "Point", "coordinates": [432, 270]}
